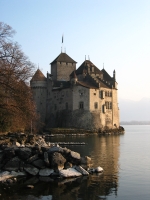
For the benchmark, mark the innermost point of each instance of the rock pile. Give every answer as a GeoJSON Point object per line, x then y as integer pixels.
{"type": "Point", "coordinates": [41, 159]}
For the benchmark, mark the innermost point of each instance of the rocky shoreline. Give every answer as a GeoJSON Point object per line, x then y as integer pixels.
{"type": "Point", "coordinates": [105, 131]}
{"type": "Point", "coordinates": [31, 155]}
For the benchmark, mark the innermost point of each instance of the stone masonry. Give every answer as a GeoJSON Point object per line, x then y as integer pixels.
{"type": "Point", "coordinates": [83, 98]}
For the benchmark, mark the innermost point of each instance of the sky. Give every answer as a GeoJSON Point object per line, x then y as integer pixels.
{"type": "Point", "coordinates": [113, 32]}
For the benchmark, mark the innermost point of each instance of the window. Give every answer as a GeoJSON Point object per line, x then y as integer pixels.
{"type": "Point", "coordinates": [106, 93]}
{"type": "Point", "coordinates": [96, 105]}
{"type": "Point", "coordinates": [110, 105]}
{"type": "Point", "coordinates": [101, 94]}
{"type": "Point", "coordinates": [110, 94]}
{"type": "Point", "coordinates": [107, 104]}
{"type": "Point", "coordinates": [81, 105]}
{"type": "Point", "coordinates": [103, 108]}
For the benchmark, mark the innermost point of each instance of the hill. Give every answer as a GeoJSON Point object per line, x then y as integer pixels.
{"type": "Point", "coordinates": [134, 110]}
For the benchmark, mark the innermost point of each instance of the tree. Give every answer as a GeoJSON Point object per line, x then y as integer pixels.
{"type": "Point", "coordinates": [17, 108]}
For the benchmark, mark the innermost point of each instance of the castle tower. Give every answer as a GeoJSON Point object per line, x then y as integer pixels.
{"type": "Point", "coordinates": [39, 87]}
{"type": "Point", "coordinates": [62, 67]}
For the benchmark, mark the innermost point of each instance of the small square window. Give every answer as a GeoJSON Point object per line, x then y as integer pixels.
{"type": "Point", "coordinates": [96, 105]}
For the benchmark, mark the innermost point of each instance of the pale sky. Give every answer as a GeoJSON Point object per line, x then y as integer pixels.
{"type": "Point", "coordinates": [113, 32]}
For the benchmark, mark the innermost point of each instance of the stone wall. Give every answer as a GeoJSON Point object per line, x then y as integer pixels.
{"type": "Point", "coordinates": [80, 94]}
{"type": "Point", "coordinates": [81, 119]}
{"type": "Point", "coordinates": [91, 116]}
{"type": "Point", "coordinates": [115, 116]}
{"type": "Point", "coordinates": [62, 70]}
{"type": "Point", "coordinates": [39, 89]}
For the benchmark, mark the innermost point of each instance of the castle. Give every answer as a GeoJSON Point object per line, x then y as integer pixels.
{"type": "Point", "coordinates": [83, 98]}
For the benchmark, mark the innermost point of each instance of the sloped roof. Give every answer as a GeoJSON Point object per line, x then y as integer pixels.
{"type": "Point", "coordinates": [87, 84]}
{"type": "Point", "coordinates": [84, 67]}
{"type": "Point", "coordinates": [63, 57]}
{"type": "Point", "coordinates": [104, 84]}
{"type": "Point", "coordinates": [106, 76]}
{"type": "Point", "coordinates": [74, 75]}
{"type": "Point", "coordinates": [38, 76]}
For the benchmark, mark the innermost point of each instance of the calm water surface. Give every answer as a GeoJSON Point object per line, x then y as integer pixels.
{"type": "Point", "coordinates": [126, 163]}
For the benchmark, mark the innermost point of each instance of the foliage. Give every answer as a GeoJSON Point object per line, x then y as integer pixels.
{"type": "Point", "coordinates": [17, 109]}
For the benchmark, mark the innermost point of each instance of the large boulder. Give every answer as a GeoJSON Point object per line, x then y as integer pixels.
{"type": "Point", "coordinates": [33, 158]}
{"type": "Point", "coordinates": [71, 172]}
{"type": "Point", "coordinates": [55, 149]}
{"type": "Point", "coordinates": [24, 153]}
{"type": "Point", "coordinates": [39, 163]}
{"type": "Point", "coordinates": [74, 158]}
{"type": "Point", "coordinates": [12, 165]}
{"type": "Point", "coordinates": [31, 169]}
{"type": "Point", "coordinates": [46, 172]}
{"type": "Point", "coordinates": [57, 161]}
{"type": "Point", "coordinates": [9, 152]}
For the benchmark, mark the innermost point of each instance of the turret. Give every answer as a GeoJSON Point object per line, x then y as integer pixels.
{"type": "Point", "coordinates": [114, 75]}
{"type": "Point", "coordinates": [39, 88]}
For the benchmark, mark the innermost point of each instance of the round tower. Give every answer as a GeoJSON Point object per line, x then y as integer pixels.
{"type": "Point", "coordinates": [38, 85]}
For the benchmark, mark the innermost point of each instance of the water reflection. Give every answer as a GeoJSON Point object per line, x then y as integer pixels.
{"type": "Point", "coordinates": [104, 152]}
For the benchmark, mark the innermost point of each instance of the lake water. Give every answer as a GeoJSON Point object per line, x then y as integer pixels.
{"type": "Point", "coordinates": [125, 160]}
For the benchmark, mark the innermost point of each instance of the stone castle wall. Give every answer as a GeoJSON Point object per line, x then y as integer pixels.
{"type": "Point", "coordinates": [62, 70]}
{"type": "Point", "coordinates": [91, 116]}
{"type": "Point", "coordinates": [39, 89]}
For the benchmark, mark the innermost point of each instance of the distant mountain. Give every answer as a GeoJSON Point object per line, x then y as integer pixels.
{"type": "Point", "coordinates": [134, 110]}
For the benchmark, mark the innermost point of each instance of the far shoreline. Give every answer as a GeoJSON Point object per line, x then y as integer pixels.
{"type": "Point", "coordinates": [135, 122]}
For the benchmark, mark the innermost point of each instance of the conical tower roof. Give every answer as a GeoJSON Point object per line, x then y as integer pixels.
{"type": "Point", "coordinates": [38, 76]}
